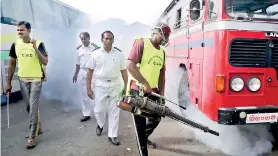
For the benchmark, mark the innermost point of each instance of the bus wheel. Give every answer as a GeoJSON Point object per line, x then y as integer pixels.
{"type": "Point", "coordinates": [183, 91]}
{"type": "Point", "coordinates": [274, 131]}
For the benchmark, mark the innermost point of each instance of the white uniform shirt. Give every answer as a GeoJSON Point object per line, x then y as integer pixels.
{"type": "Point", "coordinates": [83, 54]}
{"type": "Point", "coordinates": [107, 66]}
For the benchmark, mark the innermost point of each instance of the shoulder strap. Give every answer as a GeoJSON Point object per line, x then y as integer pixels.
{"type": "Point", "coordinates": [96, 49]}
{"type": "Point", "coordinates": [78, 47]}
{"type": "Point", "coordinates": [96, 46]}
{"type": "Point", "coordinates": [117, 49]}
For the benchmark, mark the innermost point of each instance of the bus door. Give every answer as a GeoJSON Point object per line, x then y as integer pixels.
{"type": "Point", "coordinates": [196, 49]}
{"type": "Point", "coordinates": [181, 40]}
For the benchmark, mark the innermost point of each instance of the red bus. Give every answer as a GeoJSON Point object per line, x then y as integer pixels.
{"type": "Point", "coordinates": [229, 52]}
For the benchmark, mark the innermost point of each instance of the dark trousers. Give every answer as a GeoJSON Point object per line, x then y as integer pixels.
{"type": "Point", "coordinates": [145, 127]}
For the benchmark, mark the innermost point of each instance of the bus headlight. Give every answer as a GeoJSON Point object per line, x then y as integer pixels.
{"type": "Point", "coordinates": [254, 84]}
{"type": "Point", "coordinates": [236, 84]}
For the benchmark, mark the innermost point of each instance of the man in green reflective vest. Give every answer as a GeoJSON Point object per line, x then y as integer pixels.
{"type": "Point", "coordinates": [31, 56]}
{"type": "Point", "coordinates": [146, 64]}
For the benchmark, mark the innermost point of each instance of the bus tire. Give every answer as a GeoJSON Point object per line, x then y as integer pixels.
{"type": "Point", "coordinates": [183, 91]}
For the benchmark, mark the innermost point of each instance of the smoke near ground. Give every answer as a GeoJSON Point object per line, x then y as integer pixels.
{"type": "Point", "coordinates": [247, 140]}
{"type": "Point", "coordinates": [61, 45]}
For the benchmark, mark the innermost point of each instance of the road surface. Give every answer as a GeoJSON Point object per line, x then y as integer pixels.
{"type": "Point", "coordinates": [65, 135]}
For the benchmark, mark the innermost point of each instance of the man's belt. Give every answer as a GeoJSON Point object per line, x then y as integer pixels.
{"type": "Point", "coordinates": [107, 80]}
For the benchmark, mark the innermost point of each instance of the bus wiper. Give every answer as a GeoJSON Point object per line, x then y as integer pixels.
{"type": "Point", "coordinates": [272, 13]}
{"type": "Point", "coordinates": [242, 18]}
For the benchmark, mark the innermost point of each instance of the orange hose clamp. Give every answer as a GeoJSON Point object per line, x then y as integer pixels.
{"type": "Point", "coordinates": [125, 106]}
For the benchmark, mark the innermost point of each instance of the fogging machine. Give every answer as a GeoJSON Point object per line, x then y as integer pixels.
{"type": "Point", "coordinates": [145, 107]}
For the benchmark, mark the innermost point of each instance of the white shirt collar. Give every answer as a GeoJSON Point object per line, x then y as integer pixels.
{"type": "Point", "coordinates": [89, 46]}
{"type": "Point", "coordinates": [102, 49]}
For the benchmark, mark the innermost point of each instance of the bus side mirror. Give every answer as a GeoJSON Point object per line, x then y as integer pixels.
{"type": "Point", "coordinates": [211, 6]}
{"type": "Point", "coordinates": [196, 5]}
{"type": "Point", "coordinates": [195, 8]}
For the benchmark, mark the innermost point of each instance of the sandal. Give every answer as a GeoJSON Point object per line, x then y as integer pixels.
{"type": "Point", "coordinates": [31, 143]}
{"type": "Point", "coordinates": [151, 144]}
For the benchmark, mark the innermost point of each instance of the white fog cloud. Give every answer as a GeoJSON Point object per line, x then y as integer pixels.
{"type": "Point", "coordinates": [144, 11]}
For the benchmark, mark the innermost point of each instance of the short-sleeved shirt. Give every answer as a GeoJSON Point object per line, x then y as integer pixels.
{"type": "Point", "coordinates": [41, 49]}
{"type": "Point", "coordinates": [83, 54]}
{"type": "Point", "coordinates": [136, 54]}
{"type": "Point", "coordinates": [107, 66]}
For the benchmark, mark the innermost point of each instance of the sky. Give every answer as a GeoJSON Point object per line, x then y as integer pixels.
{"type": "Point", "coordinates": [144, 11]}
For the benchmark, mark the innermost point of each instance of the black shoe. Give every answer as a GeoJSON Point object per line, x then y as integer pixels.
{"type": "Point", "coordinates": [114, 140]}
{"type": "Point", "coordinates": [28, 108]}
{"type": "Point", "coordinates": [151, 144]}
{"type": "Point", "coordinates": [85, 118]}
{"type": "Point", "coordinates": [99, 130]}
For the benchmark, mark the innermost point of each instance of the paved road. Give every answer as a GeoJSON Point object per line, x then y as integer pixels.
{"type": "Point", "coordinates": [64, 135]}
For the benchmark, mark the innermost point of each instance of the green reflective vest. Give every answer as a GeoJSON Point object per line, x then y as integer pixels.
{"type": "Point", "coordinates": [28, 61]}
{"type": "Point", "coordinates": [152, 62]}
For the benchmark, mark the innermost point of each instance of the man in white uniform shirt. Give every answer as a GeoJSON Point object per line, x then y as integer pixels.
{"type": "Point", "coordinates": [107, 64]}
{"type": "Point", "coordinates": [82, 56]}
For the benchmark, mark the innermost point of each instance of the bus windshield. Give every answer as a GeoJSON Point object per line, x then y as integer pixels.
{"type": "Point", "coordinates": [252, 9]}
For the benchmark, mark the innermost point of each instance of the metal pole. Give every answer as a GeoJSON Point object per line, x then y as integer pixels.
{"type": "Point", "coordinates": [8, 109]}
{"type": "Point", "coordinates": [137, 137]}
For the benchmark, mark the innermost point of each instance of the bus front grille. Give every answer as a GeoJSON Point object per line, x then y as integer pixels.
{"type": "Point", "coordinates": [248, 53]}
{"type": "Point", "coordinates": [274, 50]}
{"type": "Point", "coordinates": [254, 53]}
{"type": "Point", "coordinates": [275, 54]}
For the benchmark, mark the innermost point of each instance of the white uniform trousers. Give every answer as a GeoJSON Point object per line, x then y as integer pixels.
{"type": "Point", "coordinates": [87, 103]}
{"type": "Point", "coordinates": [106, 99]}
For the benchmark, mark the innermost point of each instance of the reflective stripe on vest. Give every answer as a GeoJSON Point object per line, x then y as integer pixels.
{"type": "Point", "coordinates": [152, 62]}
{"type": "Point", "coordinates": [28, 62]}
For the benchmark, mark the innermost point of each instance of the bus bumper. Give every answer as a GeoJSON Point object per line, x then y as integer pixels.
{"type": "Point", "coordinates": [247, 115]}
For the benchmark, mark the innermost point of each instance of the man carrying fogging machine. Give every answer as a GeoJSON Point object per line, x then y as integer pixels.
{"type": "Point", "coordinates": [145, 89]}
